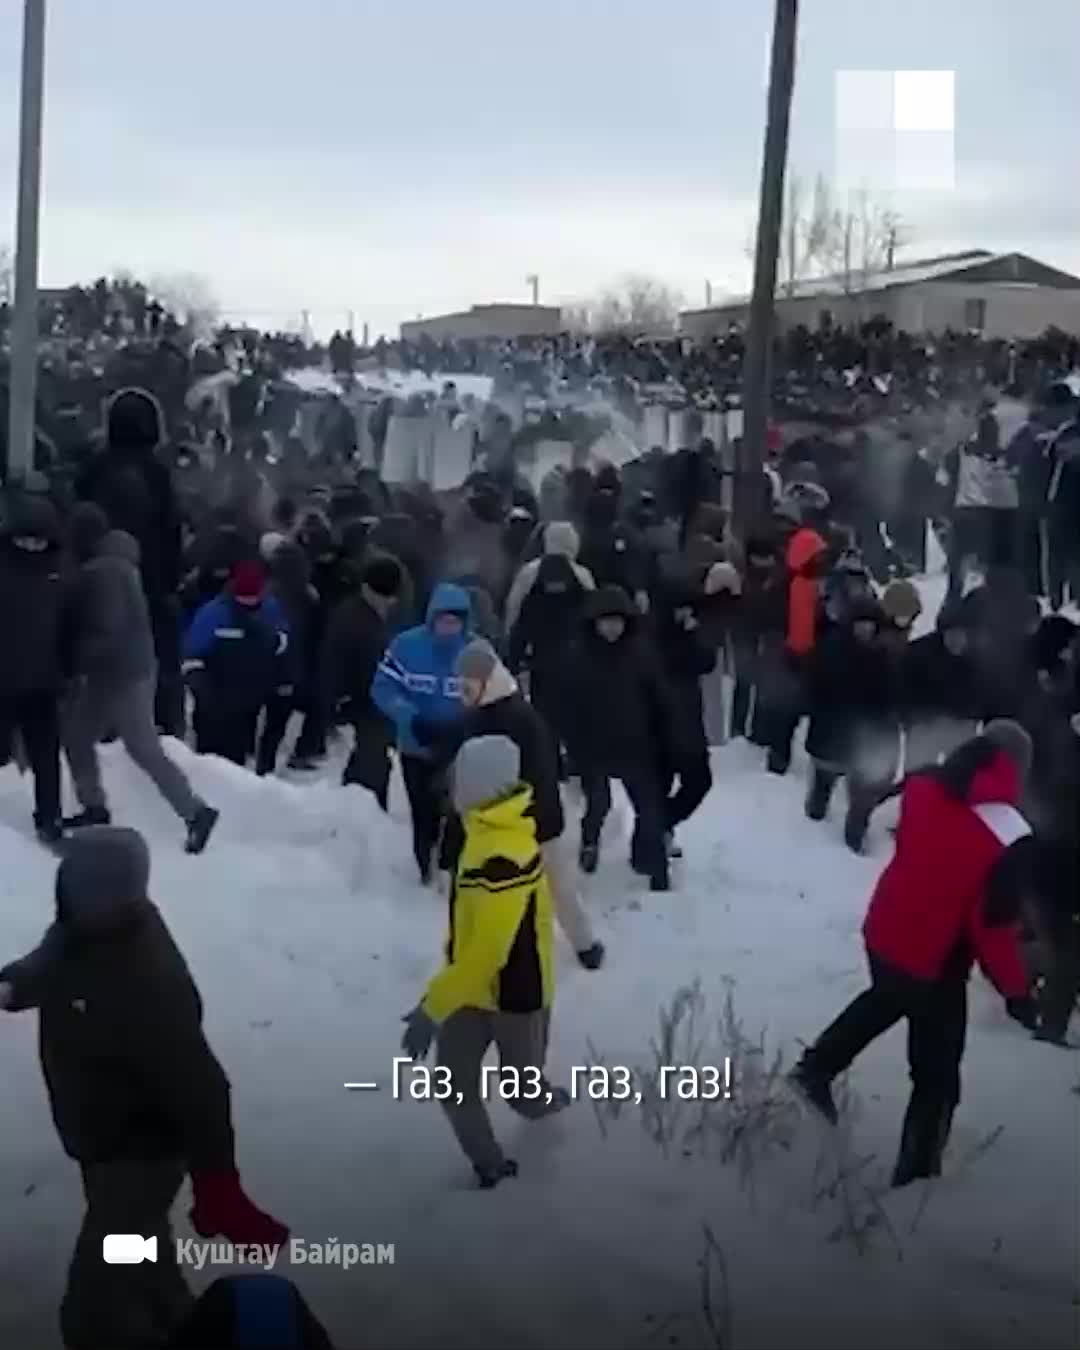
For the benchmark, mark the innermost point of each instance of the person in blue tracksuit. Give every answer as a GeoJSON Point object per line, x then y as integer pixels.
{"type": "Point", "coordinates": [236, 658]}
{"type": "Point", "coordinates": [416, 686]}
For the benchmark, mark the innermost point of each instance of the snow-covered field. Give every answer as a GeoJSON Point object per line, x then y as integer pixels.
{"type": "Point", "coordinates": [309, 938]}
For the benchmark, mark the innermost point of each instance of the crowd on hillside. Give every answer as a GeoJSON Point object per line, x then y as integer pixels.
{"type": "Point", "coordinates": [491, 645]}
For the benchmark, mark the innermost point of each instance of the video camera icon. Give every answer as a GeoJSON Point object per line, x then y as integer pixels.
{"type": "Point", "coordinates": [128, 1249]}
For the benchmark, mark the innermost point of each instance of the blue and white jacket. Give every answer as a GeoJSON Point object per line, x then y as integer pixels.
{"type": "Point", "coordinates": [240, 652]}
{"type": "Point", "coordinates": [417, 676]}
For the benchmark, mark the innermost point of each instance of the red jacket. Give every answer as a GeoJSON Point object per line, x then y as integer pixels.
{"type": "Point", "coordinates": [804, 551]}
{"type": "Point", "coordinates": [930, 898]}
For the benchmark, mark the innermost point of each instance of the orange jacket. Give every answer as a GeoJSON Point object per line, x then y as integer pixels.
{"type": "Point", "coordinates": [804, 551]}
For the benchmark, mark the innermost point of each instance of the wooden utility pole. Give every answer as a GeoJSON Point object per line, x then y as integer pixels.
{"type": "Point", "coordinates": [757, 363]}
{"type": "Point", "coordinates": [24, 320]}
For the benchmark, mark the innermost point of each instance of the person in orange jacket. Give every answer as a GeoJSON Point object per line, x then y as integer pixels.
{"type": "Point", "coordinates": [805, 558]}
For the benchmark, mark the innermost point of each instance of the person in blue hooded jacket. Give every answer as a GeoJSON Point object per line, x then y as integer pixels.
{"type": "Point", "coordinates": [416, 686]}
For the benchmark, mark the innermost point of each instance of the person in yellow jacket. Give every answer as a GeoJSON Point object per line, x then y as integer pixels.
{"type": "Point", "coordinates": [498, 980]}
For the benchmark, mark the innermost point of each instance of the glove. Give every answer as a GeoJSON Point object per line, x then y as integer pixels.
{"type": "Point", "coordinates": [592, 958]}
{"type": "Point", "coordinates": [1024, 1011]}
{"type": "Point", "coordinates": [419, 1033]}
{"type": "Point", "coordinates": [431, 734]}
{"type": "Point", "coordinates": [221, 1207]}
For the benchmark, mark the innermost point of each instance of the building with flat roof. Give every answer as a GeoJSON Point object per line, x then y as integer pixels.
{"type": "Point", "coordinates": [1001, 295]}
{"type": "Point", "coordinates": [487, 323]}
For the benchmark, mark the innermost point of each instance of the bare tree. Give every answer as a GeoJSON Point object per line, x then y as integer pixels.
{"type": "Point", "coordinates": [637, 304]}
{"type": "Point", "coordinates": [190, 297]}
{"type": "Point", "coordinates": [851, 238]}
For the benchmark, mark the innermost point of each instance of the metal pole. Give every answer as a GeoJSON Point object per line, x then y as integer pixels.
{"type": "Point", "coordinates": [756, 368]}
{"type": "Point", "coordinates": [24, 325]}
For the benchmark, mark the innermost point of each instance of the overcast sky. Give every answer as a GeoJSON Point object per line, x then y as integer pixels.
{"type": "Point", "coordinates": [396, 157]}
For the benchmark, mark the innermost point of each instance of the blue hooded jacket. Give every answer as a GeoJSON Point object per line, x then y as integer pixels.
{"type": "Point", "coordinates": [417, 676]}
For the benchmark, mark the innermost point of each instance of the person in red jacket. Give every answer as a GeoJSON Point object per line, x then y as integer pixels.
{"type": "Point", "coordinates": [950, 896]}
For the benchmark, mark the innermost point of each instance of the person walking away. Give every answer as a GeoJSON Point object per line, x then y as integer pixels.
{"type": "Point", "coordinates": [236, 660]}
{"type": "Point", "coordinates": [950, 895]}
{"type": "Point", "coordinates": [32, 608]}
{"type": "Point", "coordinates": [853, 720]}
{"type": "Point", "coordinates": [687, 657]}
{"type": "Point", "coordinates": [757, 638]}
{"type": "Point", "coordinates": [498, 981]}
{"type": "Point", "coordinates": [806, 559]}
{"type": "Point", "coordinates": [495, 706]}
{"type": "Point", "coordinates": [138, 1097]}
{"type": "Point", "coordinates": [133, 487]}
{"type": "Point", "coordinates": [291, 586]}
{"type": "Point", "coordinates": [356, 639]}
{"type": "Point", "coordinates": [114, 678]}
{"type": "Point", "coordinates": [417, 688]}
{"type": "Point", "coordinates": [939, 690]}
{"type": "Point", "coordinates": [620, 724]}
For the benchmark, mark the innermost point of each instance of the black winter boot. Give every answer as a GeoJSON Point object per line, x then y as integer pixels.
{"type": "Point", "coordinates": [589, 858]}
{"type": "Point", "coordinates": [487, 1178]}
{"type": "Point", "coordinates": [200, 827]}
{"type": "Point", "coordinates": [814, 1087]}
{"type": "Point", "coordinates": [88, 819]}
{"type": "Point", "coordinates": [819, 796]}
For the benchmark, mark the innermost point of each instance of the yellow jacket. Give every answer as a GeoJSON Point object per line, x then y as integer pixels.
{"type": "Point", "coordinates": [500, 947]}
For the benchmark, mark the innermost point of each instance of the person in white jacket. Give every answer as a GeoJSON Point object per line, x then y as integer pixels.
{"type": "Point", "coordinates": [560, 540]}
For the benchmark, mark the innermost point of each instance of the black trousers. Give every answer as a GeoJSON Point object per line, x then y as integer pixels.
{"type": "Point", "coordinates": [36, 718]}
{"type": "Point", "coordinates": [648, 850]}
{"type": "Point", "coordinates": [131, 1306]}
{"type": "Point", "coordinates": [224, 730]}
{"type": "Point", "coordinates": [169, 708]}
{"type": "Point", "coordinates": [694, 775]}
{"type": "Point", "coordinates": [369, 763]}
{"type": "Point", "coordinates": [425, 787]}
{"type": "Point", "coordinates": [936, 1014]}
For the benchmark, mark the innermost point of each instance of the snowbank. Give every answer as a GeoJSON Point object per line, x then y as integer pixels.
{"type": "Point", "coordinates": [402, 384]}
{"type": "Point", "coordinates": [309, 939]}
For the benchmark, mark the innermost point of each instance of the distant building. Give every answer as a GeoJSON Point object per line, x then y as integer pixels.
{"type": "Point", "coordinates": [1001, 295]}
{"type": "Point", "coordinates": [488, 322]}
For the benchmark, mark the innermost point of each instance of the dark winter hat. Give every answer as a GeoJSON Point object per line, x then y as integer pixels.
{"type": "Point", "coordinates": [87, 529]}
{"type": "Point", "coordinates": [1012, 740]}
{"type": "Point", "coordinates": [248, 582]}
{"type": "Point", "coordinates": [762, 546]}
{"type": "Point", "coordinates": [383, 576]}
{"type": "Point", "coordinates": [104, 876]}
{"type": "Point", "coordinates": [610, 602]}
{"type": "Point", "coordinates": [865, 609]}
{"type": "Point", "coordinates": [901, 602]}
{"type": "Point", "coordinates": [477, 660]}
{"type": "Point", "coordinates": [33, 517]}
{"type": "Point", "coordinates": [134, 421]}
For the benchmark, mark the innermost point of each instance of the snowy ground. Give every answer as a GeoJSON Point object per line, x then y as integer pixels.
{"type": "Point", "coordinates": [400, 383]}
{"type": "Point", "coordinates": [309, 939]}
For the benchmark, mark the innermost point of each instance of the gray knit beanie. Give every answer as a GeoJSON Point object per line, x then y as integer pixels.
{"type": "Point", "coordinates": [477, 660]}
{"type": "Point", "coordinates": [485, 768]}
{"type": "Point", "coordinates": [1012, 740]}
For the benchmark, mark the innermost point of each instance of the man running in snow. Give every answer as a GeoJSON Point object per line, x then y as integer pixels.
{"type": "Point", "coordinates": [114, 679]}
{"type": "Point", "coordinates": [498, 981]}
{"type": "Point", "coordinates": [950, 896]}
{"type": "Point", "coordinates": [417, 687]}
{"type": "Point", "coordinates": [138, 1097]}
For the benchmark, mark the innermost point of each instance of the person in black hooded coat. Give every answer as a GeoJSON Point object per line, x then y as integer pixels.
{"type": "Point", "coordinates": [32, 612]}
{"type": "Point", "coordinates": [612, 551]}
{"type": "Point", "coordinates": [134, 488]}
{"type": "Point", "coordinates": [853, 711]}
{"type": "Point", "coordinates": [618, 722]}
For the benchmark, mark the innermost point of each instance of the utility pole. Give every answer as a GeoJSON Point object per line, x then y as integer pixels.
{"type": "Point", "coordinates": [24, 326]}
{"type": "Point", "coordinates": [533, 281]}
{"type": "Point", "coordinates": [757, 362]}
{"type": "Point", "coordinates": [708, 295]}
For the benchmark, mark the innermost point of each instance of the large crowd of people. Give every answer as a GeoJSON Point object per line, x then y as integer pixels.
{"type": "Point", "coordinates": [495, 642]}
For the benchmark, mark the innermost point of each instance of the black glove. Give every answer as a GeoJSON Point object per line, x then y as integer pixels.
{"type": "Point", "coordinates": [592, 958]}
{"type": "Point", "coordinates": [431, 734]}
{"type": "Point", "coordinates": [1024, 1011]}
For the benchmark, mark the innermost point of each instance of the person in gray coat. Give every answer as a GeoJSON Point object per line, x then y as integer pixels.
{"type": "Point", "coordinates": [114, 678]}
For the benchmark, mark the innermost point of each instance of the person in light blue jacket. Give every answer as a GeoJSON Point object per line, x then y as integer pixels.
{"type": "Point", "coordinates": [416, 687]}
